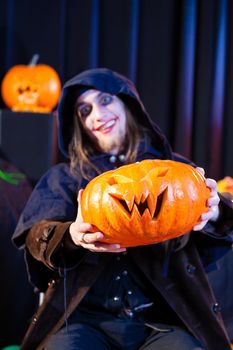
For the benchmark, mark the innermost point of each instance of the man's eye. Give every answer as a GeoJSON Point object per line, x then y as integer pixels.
{"type": "Point", "coordinates": [84, 111]}
{"type": "Point", "coordinates": [106, 99]}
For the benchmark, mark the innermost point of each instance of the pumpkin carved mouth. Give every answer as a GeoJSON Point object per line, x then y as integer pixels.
{"type": "Point", "coordinates": [143, 206]}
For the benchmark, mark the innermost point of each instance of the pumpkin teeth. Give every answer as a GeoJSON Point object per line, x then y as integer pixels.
{"type": "Point", "coordinates": [159, 203]}
{"type": "Point", "coordinates": [127, 202]}
{"type": "Point", "coordinates": [150, 205]}
{"type": "Point", "coordinates": [151, 202]}
{"type": "Point", "coordinates": [140, 200]}
{"type": "Point", "coordinates": [144, 196]}
{"type": "Point", "coordinates": [130, 202]}
{"type": "Point", "coordinates": [137, 198]}
{"type": "Point", "coordinates": [141, 207]}
{"type": "Point", "coordinates": [136, 213]}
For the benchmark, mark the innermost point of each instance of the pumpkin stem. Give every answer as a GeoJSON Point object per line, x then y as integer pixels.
{"type": "Point", "coordinates": [34, 60]}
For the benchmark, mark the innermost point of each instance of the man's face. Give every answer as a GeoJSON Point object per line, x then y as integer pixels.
{"type": "Point", "coordinates": [103, 117]}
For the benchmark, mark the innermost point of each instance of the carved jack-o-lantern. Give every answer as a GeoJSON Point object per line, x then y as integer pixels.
{"type": "Point", "coordinates": [32, 88]}
{"type": "Point", "coordinates": [145, 202]}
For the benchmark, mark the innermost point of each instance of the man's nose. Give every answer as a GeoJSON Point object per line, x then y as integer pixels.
{"type": "Point", "coordinates": [98, 112]}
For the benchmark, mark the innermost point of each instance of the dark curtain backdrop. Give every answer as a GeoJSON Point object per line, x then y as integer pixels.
{"type": "Point", "coordinates": [178, 52]}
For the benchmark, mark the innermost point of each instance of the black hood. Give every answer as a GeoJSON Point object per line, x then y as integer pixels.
{"type": "Point", "coordinates": [104, 80]}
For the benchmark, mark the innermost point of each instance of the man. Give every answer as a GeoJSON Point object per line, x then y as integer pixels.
{"type": "Point", "coordinates": [101, 295]}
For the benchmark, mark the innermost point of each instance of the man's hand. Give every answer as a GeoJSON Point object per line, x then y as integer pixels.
{"type": "Point", "coordinates": [82, 235]}
{"type": "Point", "coordinates": [212, 203]}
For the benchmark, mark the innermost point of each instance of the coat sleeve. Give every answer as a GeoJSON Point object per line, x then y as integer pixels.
{"type": "Point", "coordinates": [54, 198]}
{"type": "Point", "coordinates": [43, 226]}
{"type": "Point", "coordinates": [48, 242]}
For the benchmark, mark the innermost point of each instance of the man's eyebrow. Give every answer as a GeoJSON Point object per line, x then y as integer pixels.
{"type": "Point", "coordinates": [98, 96]}
{"type": "Point", "coordinates": [101, 93]}
{"type": "Point", "coordinates": [80, 103]}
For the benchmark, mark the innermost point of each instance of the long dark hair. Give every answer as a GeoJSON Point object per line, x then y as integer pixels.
{"type": "Point", "coordinates": [81, 148]}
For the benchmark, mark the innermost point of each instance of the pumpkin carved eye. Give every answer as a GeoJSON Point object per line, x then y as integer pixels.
{"type": "Point", "coordinates": [145, 202]}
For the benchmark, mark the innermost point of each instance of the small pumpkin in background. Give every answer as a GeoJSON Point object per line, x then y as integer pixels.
{"type": "Point", "coordinates": [225, 185]}
{"type": "Point", "coordinates": [31, 88]}
{"type": "Point", "coordinates": [145, 202]}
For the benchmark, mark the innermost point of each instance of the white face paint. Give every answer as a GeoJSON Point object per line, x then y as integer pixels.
{"type": "Point", "coordinates": [103, 117]}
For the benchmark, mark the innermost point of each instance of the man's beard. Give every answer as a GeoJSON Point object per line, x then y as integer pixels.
{"type": "Point", "coordinates": [109, 146]}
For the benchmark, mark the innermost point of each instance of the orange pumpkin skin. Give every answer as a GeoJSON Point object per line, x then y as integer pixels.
{"type": "Point", "coordinates": [146, 202]}
{"type": "Point", "coordinates": [34, 88]}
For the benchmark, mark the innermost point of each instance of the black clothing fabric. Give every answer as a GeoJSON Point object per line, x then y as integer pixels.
{"type": "Point", "coordinates": [128, 294]}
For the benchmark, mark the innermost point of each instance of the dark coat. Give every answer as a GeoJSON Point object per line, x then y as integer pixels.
{"type": "Point", "coordinates": [184, 284]}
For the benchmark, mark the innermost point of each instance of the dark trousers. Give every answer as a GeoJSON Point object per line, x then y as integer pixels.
{"type": "Point", "coordinates": [118, 335]}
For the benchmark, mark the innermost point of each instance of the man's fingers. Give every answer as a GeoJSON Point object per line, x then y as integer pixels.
{"type": "Point", "coordinates": [91, 242]}
{"type": "Point", "coordinates": [212, 201]}
{"type": "Point", "coordinates": [212, 214]}
{"type": "Point", "coordinates": [79, 214]}
{"type": "Point", "coordinates": [211, 183]}
{"type": "Point", "coordinates": [105, 248]}
{"type": "Point", "coordinates": [88, 238]}
{"type": "Point", "coordinates": [201, 171]}
{"type": "Point", "coordinates": [200, 226]}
